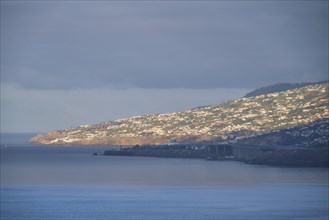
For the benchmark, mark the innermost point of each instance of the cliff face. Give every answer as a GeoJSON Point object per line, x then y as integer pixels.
{"type": "Point", "coordinates": [228, 122]}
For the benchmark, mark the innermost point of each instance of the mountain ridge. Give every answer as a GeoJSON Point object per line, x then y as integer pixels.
{"type": "Point", "coordinates": [279, 87]}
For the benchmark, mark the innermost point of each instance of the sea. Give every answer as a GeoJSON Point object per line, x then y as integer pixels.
{"type": "Point", "coordinates": [43, 182]}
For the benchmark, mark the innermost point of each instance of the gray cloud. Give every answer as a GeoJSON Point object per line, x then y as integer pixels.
{"type": "Point", "coordinates": [192, 45]}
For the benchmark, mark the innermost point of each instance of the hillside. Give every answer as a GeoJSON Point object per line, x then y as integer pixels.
{"type": "Point", "coordinates": [279, 87]}
{"type": "Point", "coordinates": [228, 122]}
{"type": "Point", "coordinates": [314, 134]}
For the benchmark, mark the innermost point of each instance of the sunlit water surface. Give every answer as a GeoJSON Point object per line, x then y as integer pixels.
{"type": "Point", "coordinates": [66, 182]}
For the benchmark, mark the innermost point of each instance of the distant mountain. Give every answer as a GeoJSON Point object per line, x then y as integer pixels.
{"type": "Point", "coordinates": [230, 122]}
{"type": "Point", "coordinates": [279, 87]}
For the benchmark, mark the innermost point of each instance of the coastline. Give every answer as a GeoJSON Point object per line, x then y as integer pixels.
{"type": "Point", "coordinates": [257, 155]}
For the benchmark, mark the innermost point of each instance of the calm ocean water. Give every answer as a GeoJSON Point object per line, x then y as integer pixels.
{"type": "Point", "coordinates": [67, 182]}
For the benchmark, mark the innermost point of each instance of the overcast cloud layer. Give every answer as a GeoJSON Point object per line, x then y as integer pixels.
{"type": "Point", "coordinates": [69, 63]}
{"type": "Point", "coordinates": [67, 45]}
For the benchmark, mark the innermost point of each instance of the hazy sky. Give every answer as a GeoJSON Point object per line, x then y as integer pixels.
{"type": "Point", "coordinates": [69, 63]}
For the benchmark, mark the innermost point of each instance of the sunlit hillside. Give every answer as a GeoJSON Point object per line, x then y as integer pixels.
{"type": "Point", "coordinates": [227, 122]}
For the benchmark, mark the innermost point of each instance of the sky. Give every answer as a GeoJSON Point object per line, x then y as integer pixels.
{"type": "Point", "coordinates": [67, 63]}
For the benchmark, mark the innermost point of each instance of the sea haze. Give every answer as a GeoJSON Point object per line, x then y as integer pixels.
{"type": "Point", "coordinates": [68, 182]}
